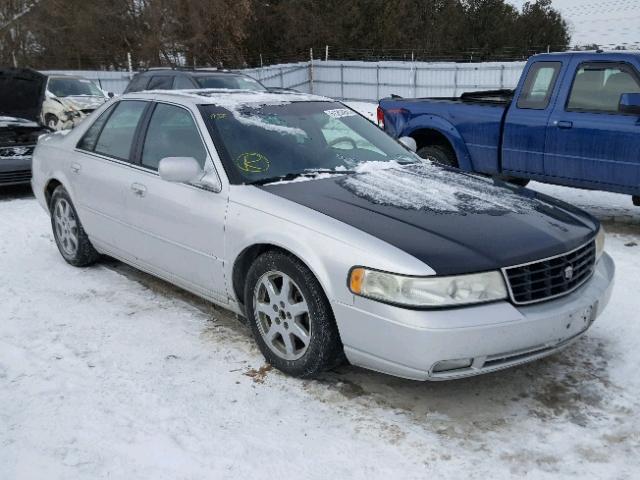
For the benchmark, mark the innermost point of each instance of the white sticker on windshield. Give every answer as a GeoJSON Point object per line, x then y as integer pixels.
{"type": "Point", "coordinates": [340, 112]}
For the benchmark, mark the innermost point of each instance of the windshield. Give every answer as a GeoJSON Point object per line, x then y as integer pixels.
{"type": "Point", "coordinates": [72, 87]}
{"type": "Point", "coordinates": [233, 82]}
{"type": "Point", "coordinates": [272, 141]}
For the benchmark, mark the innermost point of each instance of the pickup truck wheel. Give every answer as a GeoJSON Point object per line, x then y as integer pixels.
{"type": "Point", "coordinates": [70, 237]}
{"type": "Point", "coordinates": [439, 154]}
{"type": "Point", "coordinates": [520, 182]}
{"type": "Point", "coordinates": [290, 316]}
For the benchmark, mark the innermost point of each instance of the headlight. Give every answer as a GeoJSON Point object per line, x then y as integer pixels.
{"type": "Point", "coordinates": [427, 292]}
{"type": "Point", "coordinates": [600, 243]}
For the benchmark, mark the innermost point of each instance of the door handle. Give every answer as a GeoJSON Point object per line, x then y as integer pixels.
{"type": "Point", "coordinates": [564, 124]}
{"type": "Point", "coordinates": [138, 189]}
{"type": "Point", "coordinates": [75, 167]}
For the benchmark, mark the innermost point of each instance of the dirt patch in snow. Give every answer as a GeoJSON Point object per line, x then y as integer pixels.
{"type": "Point", "coordinates": [259, 375]}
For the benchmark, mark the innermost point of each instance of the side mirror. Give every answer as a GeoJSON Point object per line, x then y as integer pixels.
{"type": "Point", "coordinates": [180, 169]}
{"type": "Point", "coordinates": [409, 142]}
{"type": "Point", "coordinates": [630, 103]}
{"type": "Point", "coordinates": [110, 94]}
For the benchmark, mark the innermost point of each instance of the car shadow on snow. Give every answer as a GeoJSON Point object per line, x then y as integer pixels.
{"type": "Point", "coordinates": [15, 192]}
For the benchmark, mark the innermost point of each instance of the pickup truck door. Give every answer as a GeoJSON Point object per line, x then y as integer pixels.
{"type": "Point", "coordinates": [525, 125]}
{"type": "Point", "coordinates": [588, 140]}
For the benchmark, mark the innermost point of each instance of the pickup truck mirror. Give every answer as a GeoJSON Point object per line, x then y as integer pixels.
{"type": "Point", "coordinates": [630, 103]}
{"type": "Point", "coordinates": [409, 142]}
{"type": "Point", "coordinates": [180, 169]}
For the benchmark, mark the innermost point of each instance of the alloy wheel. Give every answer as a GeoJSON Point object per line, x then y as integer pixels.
{"type": "Point", "coordinates": [66, 226]}
{"type": "Point", "coordinates": [282, 314]}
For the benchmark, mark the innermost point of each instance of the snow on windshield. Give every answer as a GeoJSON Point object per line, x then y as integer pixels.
{"type": "Point", "coordinates": [239, 102]}
{"type": "Point", "coordinates": [430, 187]}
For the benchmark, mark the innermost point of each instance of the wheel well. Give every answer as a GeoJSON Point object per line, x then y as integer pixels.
{"type": "Point", "coordinates": [48, 190]}
{"type": "Point", "coordinates": [431, 137]}
{"type": "Point", "coordinates": [243, 264]}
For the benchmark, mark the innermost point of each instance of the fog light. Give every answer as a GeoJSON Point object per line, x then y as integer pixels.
{"type": "Point", "coordinates": [447, 365]}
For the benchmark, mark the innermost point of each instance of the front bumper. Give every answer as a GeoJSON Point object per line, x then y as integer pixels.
{"type": "Point", "coordinates": [15, 170]}
{"type": "Point", "coordinates": [410, 343]}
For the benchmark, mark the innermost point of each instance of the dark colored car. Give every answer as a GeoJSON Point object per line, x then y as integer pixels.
{"type": "Point", "coordinates": [21, 95]}
{"type": "Point", "coordinates": [183, 79]}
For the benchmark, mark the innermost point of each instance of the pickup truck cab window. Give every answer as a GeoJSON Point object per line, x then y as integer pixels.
{"type": "Point", "coordinates": [116, 138]}
{"type": "Point", "coordinates": [171, 133]}
{"type": "Point", "coordinates": [539, 85]}
{"type": "Point", "coordinates": [598, 87]}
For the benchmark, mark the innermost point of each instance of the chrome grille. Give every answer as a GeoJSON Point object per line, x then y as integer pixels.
{"type": "Point", "coordinates": [551, 277]}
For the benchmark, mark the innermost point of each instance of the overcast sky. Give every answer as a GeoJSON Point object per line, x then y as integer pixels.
{"type": "Point", "coordinates": [602, 22]}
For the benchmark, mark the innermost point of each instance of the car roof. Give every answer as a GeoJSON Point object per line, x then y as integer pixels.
{"type": "Point", "coordinates": [595, 55]}
{"type": "Point", "coordinates": [225, 97]}
{"type": "Point", "coordinates": [192, 72]}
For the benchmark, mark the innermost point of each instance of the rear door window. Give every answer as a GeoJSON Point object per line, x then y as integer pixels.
{"type": "Point", "coordinates": [161, 82]}
{"type": "Point", "coordinates": [172, 133]}
{"type": "Point", "coordinates": [598, 87]}
{"type": "Point", "coordinates": [116, 138]}
{"type": "Point", "coordinates": [539, 85]}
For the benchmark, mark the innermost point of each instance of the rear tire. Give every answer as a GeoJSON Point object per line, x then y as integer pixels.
{"type": "Point", "coordinates": [636, 200]}
{"type": "Point", "coordinates": [290, 316]}
{"type": "Point", "coordinates": [439, 154]}
{"type": "Point", "coordinates": [71, 239]}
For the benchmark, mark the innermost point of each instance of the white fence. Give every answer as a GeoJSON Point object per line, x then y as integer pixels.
{"type": "Point", "coordinates": [366, 81]}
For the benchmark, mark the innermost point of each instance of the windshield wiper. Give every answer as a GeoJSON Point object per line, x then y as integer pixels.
{"type": "Point", "coordinates": [293, 176]}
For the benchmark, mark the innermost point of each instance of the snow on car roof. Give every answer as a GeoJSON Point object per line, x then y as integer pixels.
{"type": "Point", "coordinates": [236, 100]}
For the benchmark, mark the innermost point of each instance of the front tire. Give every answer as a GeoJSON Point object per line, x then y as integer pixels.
{"type": "Point", "coordinates": [52, 121]}
{"type": "Point", "coordinates": [290, 316]}
{"type": "Point", "coordinates": [71, 239]}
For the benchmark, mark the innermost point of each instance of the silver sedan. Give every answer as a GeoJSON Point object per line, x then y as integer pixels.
{"type": "Point", "coordinates": [330, 237]}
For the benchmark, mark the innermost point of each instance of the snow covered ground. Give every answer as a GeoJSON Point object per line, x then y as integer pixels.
{"type": "Point", "coordinates": [106, 372]}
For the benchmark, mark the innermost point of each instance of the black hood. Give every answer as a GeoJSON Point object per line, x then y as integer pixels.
{"type": "Point", "coordinates": [454, 222]}
{"type": "Point", "coordinates": [21, 93]}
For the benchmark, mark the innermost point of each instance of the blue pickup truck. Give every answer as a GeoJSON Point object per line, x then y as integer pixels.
{"type": "Point", "coordinates": [573, 120]}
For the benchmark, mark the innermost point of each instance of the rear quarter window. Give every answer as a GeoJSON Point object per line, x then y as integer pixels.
{"type": "Point", "coordinates": [538, 86]}
{"type": "Point", "coordinates": [161, 82]}
{"type": "Point", "coordinates": [138, 83]}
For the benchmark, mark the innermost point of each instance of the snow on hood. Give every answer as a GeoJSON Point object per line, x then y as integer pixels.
{"type": "Point", "coordinates": [16, 122]}
{"type": "Point", "coordinates": [434, 188]}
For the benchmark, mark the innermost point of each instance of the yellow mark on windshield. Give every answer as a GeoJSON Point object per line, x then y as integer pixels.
{"type": "Point", "coordinates": [253, 162]}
